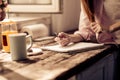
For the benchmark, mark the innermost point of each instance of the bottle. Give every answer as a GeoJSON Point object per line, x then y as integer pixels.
{"type": "Point", "coordinates": [8, 27]}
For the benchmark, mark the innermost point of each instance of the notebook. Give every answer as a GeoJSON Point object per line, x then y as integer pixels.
{"type": "Point", "coordinates": [81, 46]}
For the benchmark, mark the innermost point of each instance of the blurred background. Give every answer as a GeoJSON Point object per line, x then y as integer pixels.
{"type": "Point", "coordinates": [57, 15]}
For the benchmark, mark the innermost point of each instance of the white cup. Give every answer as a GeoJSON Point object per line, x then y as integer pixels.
{"type": "Point", "coordinates": [19, 46]}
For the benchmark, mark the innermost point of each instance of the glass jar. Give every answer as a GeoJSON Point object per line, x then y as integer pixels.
{"type": "Point", "coordinates": [8, 27]}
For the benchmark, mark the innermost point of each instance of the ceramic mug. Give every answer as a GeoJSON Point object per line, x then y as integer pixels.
{"type": "Point", "coordinates": [19, 46]}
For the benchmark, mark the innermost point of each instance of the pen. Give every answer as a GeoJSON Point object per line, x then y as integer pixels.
{"type": "Point", "coordinates": [60, 35]}
{"type": "Point", "coordinates": [56, 34]}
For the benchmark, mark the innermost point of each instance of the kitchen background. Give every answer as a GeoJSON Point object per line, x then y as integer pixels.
{"type": "Point", "coordinates": [57, 15]}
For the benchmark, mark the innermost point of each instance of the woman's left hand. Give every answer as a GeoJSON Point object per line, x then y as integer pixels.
{"type": "Point", "coordinates": [96, 27]}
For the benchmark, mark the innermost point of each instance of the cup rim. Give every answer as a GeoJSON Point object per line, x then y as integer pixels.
{"type": "Point", "coordinates": [17, 34]}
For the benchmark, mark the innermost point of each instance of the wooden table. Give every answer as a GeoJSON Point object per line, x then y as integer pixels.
{"type": "Point", "coordinates": [49, 65]}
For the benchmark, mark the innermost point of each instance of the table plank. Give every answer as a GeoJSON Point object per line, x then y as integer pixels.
{"type": "Point", "coordinates": [44, 66]}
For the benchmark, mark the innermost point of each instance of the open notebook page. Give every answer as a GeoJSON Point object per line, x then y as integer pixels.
{"type": "Point", "coordinates": [73, 47]}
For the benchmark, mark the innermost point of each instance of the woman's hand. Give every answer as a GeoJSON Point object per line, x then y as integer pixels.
{"type": "Point", "coordinates": [3, 4]}
{"type": "Point", "coordinates": [63, 39]}
{"type": "Point", "coordinates": [96, 27]}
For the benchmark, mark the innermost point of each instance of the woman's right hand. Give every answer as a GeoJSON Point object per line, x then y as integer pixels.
{"type": "Point", "coordinates": [63, 39]}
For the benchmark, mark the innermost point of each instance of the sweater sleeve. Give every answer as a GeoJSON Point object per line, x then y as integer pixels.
{"type": "Point", "coordinates": [84, 26]}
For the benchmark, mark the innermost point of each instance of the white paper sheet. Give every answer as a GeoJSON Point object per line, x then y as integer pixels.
{"type": "Point", "coordinates": [81, 46]}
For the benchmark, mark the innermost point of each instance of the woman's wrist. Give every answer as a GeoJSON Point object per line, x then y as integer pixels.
{"type": "Point", "coordinates": [75, 38]}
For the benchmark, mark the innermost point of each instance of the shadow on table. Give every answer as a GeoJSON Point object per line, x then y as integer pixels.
{"type": "Point", "coordinates": [8, 74]}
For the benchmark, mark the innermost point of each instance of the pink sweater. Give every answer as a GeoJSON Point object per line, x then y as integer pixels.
{"type": "Point", "coordinates": [100, 17]}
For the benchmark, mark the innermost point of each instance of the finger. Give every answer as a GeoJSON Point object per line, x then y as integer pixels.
{"type": "Point", "coordinates": [57, 39]}
{"type": "Point", "coordinates": [94, 28]}
{"type": "Point", "coordinates": [64, 42]}
{"type": "Point", "coordinates": [61, 35]}
{"type": "Point", "coordinates": [99, 29]}
{"type": "Point", "coordinates": [93, 24]}
{"type": "Point", "coordinates": [60, 41]}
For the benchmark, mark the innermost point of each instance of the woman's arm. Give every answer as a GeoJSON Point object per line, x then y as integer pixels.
{"type": "Point", "coordinates": [64, 39]}
{"type": "Point", "coordinates": [115, 27]}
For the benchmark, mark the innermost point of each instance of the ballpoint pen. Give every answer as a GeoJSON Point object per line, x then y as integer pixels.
{"type": "Point", "coordinates": [55, 34]}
